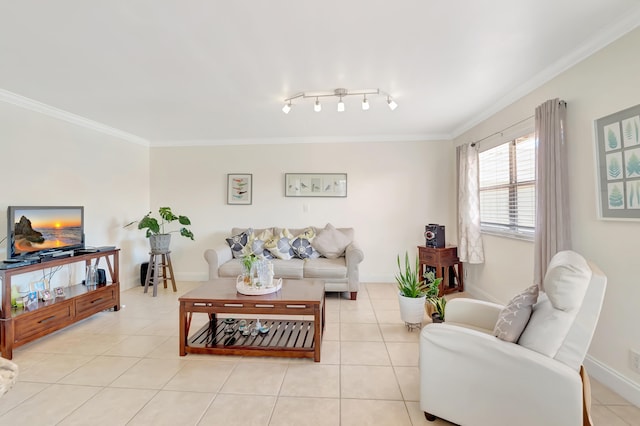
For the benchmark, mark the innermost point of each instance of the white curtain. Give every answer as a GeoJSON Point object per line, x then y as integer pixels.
{"type": "Point", "coordinates": [470, 248]}
{"type": "Point", "coordinates": [553, 231]}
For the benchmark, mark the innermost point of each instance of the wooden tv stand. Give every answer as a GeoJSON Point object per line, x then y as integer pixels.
{"type": "Point", "coordinates": [21, 326]}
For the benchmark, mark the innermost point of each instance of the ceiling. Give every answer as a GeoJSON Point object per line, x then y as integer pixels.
{"type": "Point", "coordinates": [172, 72]}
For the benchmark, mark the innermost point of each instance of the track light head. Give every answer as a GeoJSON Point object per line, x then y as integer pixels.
{"type": "Point", "coordinates": [365, 104]}
{"type": "Point", "coordinates": [340, 105]}
{"type": "Point", "coordinates": [286, 108]}
{"type": "Point", "coordinates": [317, 107]}
{"type": "Point", "coordinates": [392, 104]}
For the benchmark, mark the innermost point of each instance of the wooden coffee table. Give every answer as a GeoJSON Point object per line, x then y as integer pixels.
{"type": "Point", "coordinates": [286, 337]}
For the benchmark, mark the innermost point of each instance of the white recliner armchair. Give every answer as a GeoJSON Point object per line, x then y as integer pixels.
{"type": "Point", "coordinates": [472, 378]}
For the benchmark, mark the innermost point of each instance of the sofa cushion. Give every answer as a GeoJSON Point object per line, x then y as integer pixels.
{"type": "Point", "coordinates": [515, 315]}
{"type": "Point", "coordinates": [280, 245]}
{"type": "Point", "coordinates": [292, 268]}
{"type": "Point", "coordinates": [232, 268]}
{"type": "Point", "coordinates": [325, 268]}
{"type": "Point", "coordinates": [331, 242]}
{"type": "Point", "coordinates": [565, 285]}
{"type": "Point", "coordinates": [302, 244]}
{"type": "Point", "coordinates": [238, 241]}
{"type": "Point", "coordinates": [257, 243]}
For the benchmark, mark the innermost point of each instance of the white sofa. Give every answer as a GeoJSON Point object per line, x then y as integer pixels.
{"type": "Point", "coordinates": [339, 271]}
{"type": "Point", "coordinates": [470, 377]}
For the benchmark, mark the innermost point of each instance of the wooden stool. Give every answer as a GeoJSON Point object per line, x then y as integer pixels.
{"type": "Point", "coordinates": [157, 261]}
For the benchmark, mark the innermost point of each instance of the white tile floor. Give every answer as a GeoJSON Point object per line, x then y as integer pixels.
{"type": "Point", "coordinates": [123, 368]}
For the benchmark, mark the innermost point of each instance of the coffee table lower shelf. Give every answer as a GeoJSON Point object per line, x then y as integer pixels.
{"type": "Point", "coordinates": [285, 338]}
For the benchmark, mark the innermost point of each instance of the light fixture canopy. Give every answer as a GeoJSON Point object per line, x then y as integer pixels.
{"type": "Point", "coordinates": [339, 93]}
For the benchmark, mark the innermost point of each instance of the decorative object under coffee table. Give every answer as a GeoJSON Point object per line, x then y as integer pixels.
{"type": "Point", "coordinates": [285, 337]}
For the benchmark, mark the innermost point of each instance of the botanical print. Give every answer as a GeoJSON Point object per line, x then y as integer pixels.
{"type": "Point", "coordinates": [632, 163]}
{"type": "Point", "coordinates": [614, 166]}
{"type": "Point", "coordinates": [615, 196]}
{"type": "Point", "coordinates": [612, 136]}
{"type": "Point", "coordinates": [633, 194]}
{"type": "Point", "coordinates": [315, 185]}
{"type": "Point", "coordinates": [631, 131]}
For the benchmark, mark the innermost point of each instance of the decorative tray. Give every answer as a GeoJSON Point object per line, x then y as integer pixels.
{"type": "Point", "coordinates": [257, 291]}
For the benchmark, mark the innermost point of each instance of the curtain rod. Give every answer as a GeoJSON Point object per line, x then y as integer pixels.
{"type": "Point", "coordinates": [508, 127]}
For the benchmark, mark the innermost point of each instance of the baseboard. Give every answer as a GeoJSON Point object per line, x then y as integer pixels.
{"type": "Point", "coordinates": [612, 379]}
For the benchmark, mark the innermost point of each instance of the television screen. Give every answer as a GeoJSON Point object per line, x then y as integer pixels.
{"type": "Point", "coordinates": [40, 229]}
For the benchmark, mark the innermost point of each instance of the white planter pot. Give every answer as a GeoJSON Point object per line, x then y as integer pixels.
{"type": "Point", "coordinates": [160, 243]}
{"type": "Point", "coordinates": [412, 309]}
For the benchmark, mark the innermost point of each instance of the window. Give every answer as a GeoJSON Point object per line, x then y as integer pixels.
{"type": "Point", "coordinates": [508, 188]}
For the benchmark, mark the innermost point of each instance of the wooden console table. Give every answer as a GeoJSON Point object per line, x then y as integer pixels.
{"type": "Point", "coordinates": [20, 326]}
{"type": "Point", "coordinates": [443, 259]}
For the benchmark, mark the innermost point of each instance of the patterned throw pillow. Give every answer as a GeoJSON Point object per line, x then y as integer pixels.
{"type": "Point", "coordinates": [280, 245]}
{"type": "Point", "coordinates": [302, 245]}
{"type": "Point", "coordinates": [258, 244]}
{"type": "Point", "coordinates": [515, 315]}
{"type": "Point", "coordinates": [238, 242]}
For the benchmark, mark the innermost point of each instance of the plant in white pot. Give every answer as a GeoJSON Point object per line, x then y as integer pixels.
{"type": "Point", "coordinates": [159, 237]}
{"type": "Point", "coordinates": [412, 293]}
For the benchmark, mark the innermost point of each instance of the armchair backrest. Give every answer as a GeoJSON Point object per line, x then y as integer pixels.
{"type": "Point", "coordinates": [575, 346]}
{"type": "Point", "coordinates": [565, 317]}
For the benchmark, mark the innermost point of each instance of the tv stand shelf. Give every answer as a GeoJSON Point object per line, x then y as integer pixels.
{"type": "Point", "coordinates": [20, 326]}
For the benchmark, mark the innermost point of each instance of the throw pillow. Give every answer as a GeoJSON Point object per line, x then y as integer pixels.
{"type": "Point", "coordinates": [238, 242]}
{"type": "Point", "coordinates": [330, 242]}
{"type": "Point", "coordinates": [302, 245]}
{"type": "Point", "coordinates": [515, 315]}
{"type": "Point", "coordinates": [280, 245]}
{"type": "Point", "coordinates": [258, 244]}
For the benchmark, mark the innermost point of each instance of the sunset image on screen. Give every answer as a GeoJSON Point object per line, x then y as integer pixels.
{"type": "Point", "coordinates": [50, 228]}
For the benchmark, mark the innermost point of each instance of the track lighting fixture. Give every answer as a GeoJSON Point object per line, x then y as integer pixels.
{"type": "Point", "coordinates": [340, 94]}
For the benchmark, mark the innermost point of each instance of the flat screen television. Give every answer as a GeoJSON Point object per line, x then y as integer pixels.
{"type": "Point", "coordinates": [36, 230]}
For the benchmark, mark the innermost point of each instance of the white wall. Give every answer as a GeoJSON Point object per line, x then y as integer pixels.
{"type": "Point", "coordinates": [606, 82]}
{"type": "Point", "coordinates": [394, 189]}
{"type": "Point", "coordinates": [47, 161]}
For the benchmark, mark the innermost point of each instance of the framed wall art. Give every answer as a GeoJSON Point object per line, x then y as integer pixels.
{"type": "Point", "coordinates": [239, 188]}
{"type": "Point", "coordinates": [618, 163]}
{"type": "Point", "coordinates": [315, 184]}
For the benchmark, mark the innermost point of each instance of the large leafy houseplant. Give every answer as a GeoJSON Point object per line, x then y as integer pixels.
{"type": "Point", "coordinates": [154, 226]}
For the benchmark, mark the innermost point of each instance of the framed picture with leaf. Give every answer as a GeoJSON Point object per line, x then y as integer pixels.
{"type": "Point", "coordinates": [618, 163]}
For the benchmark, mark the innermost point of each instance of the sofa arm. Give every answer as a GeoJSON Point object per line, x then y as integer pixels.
{"type": "Point", "coordinates": [501, 383]}
{"type": "Point", "coordinates": [217, 257]}
{"type": "Point", "coordinates": [353, 256]}
{"type": "Point", "coordinates": [474, 313]}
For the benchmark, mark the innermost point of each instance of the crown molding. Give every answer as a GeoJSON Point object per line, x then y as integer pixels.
{"type": "Point", "coordinates": [300, 140]}
{"type": "Point", "coordinates": [39, 107]}
{"type": "Point", "coordinates": [599, 41]}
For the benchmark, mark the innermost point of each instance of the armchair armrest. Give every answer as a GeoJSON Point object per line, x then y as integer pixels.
{"type": "Point", "coordinates": [473, 313]}
{"type": "Point", "coordinates": [507, 383]}
{"type": "Point", "coordinates": [216, 257]}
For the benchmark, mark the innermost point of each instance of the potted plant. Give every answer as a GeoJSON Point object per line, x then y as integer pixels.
{"type": "Point", "coordinates": [433, 289]}
{"type": "Point", "coordinates": [439, 304]}
{"type": "Point", "coordinates": [248, 267]}
{"type": "Point", "coordinates": [412, 292]}
{"type": "Point", "coordinates": [159, 237]}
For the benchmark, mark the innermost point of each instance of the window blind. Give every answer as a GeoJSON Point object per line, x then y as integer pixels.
{"type": "Point", "coordinates": [507, 187]}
